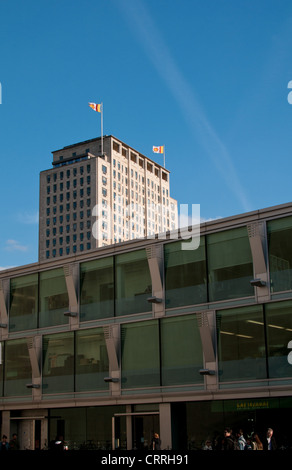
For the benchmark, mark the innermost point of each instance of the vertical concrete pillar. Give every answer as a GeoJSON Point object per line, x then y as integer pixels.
{"type": "Point", "coordinates": [155, 263]}
{"type": "Point", "coordinates": [5, 424]}
{"type": "Point", "coordinates": [165, 425]}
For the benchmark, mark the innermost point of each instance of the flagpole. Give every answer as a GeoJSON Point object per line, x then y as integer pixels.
{"type": "Point", "coordinates": [164, 155]}
{"type": "Point", "coordinates": [101, 127]}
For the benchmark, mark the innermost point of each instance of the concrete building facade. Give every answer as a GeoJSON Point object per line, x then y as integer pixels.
{"type": "Point", "coordinates": [89, 199]}
{"type": "Point", "coordinates": [109, 346]}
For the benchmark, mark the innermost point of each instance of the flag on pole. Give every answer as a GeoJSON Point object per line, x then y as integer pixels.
{"type": "Point", "coordinates": [158, 149]}
{"type": "Point", "coordinates": [95, 107]}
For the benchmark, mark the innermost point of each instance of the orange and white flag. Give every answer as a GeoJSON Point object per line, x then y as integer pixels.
{"type": "Point", "coordinates": [95, 107]}
{"type": "Point", "coordinates": [158, 149]}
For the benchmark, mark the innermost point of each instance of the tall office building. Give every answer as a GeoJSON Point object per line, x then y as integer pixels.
{"type": "Point", "coordinates": [100, 192]}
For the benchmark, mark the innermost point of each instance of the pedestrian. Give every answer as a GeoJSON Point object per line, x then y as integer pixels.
{"type": "Point", "coordinates": [156, 443]}
{"type": "Point", "coordinates": [208, 445]}
{"type": "Point", "coordinates": [269, 441]}
{"type": "Point", "coordinates": [14, 444]}
{"type": "Point", "coordinates": [240, 440]}
{"type": "Point", "coordinates": [256, 442]}
{"type": "Point", "coordinates": [4, 444]}
{"type": "Point", "coordinates": [229, 441]}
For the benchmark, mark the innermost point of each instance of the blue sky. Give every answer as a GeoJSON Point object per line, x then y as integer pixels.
{"type": "Point", "coordinates": [206, 78]}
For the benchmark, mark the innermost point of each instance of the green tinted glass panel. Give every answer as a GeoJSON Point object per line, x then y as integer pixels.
{"type": "Point", "coordinates": [18, 371]}
{"type": "Point", "coordinates": [58, 363]}
{"type": "Point", "coordinates": [133, 283]}
{"type": "Point", "coordinates": [97, 289]}
{"type": "Point", "coordinates": [1, 367]}
{"type": "Point", "coordinates": [279, 335]}
{"type": "Point", "coordinates": [23, 303]}
{"type": "Point", "coordinates": [185, 274]}
{"type": "Point", "coordinates": [230, 266]}
{"type": "Point", "coordinates": [280, 253]}
{"type": "Point", "coordinates": [140, 355]}
{"type": "Point", "coordinates": [91, 360]}
{"type": "Point", "coordinates": [181, 351]}
{"type": "Point", "coordinates": [241, 344]}
{"type": "Point", "coordinates": [53, 298]}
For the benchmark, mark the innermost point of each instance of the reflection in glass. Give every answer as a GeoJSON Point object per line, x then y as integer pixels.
{"type": "Point", "coordinates": [185, 274]}
{"type": "Point", "coordinates": [17, 368]}
{"type": "Point", "coordinates": [181, 351]}
{"type": "Point", "coordinates": [58, 363]}
{"type": "Point", "coordinates": [279, 334]}
{"type": "Point", "coordinates": [241, 344]}
{"type": "Point", "coordinates": [230, 267]}
{"type": "Point", "coordinates": [280, 253]}
{"type": "Point", "coordinates": [133, 283]}
{"type": "Point", "coordinates": [53, 298]}
{"type": "Point", "coordinates": [140, 354]}
{"type": "Point", "coordinates": [91, 360]}
{"type": "Point", "coordinates": [23, 303]}
{"type": "Point", "coordinates": [96, 289]}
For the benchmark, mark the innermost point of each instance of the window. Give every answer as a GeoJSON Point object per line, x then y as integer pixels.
{"type": "Point", "coordinates": [185, 274]}
{"type": "Point", "coordinates": [53, 298]}
{"type": "Point", "coordinates": [279, 328]}
{"type": "Point", "coordinates": [97, 289]}
{"type": "Point", "coordinates": [241, 344]}
{"type": "Point", "coordinates": [140, 354]}
{"type": "Point", "coordinates": [23, 303]}
{"type": "Point", "coordinates": [280, 253]}
{"type": "Point", "coordinates": [181, 351]}
{"type": "Point", "coordinates": [91, 360]}
{"type": "Point", "coordinates": [17, 368]}
{"type": "Point", "coordinates": [133, 283]}
{"type": "Point", "coordinates": [58, 363]}
{"type": "Point", "coordinates": [230, 267]}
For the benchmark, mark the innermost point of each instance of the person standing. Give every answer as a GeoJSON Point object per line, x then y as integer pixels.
{"type": "Point", "coordinates": [229, 440]}
{"type": "Point", "coordinates": [270, 442]}
{"type": "Point", "coordinates": [14, 444]}
{"type": "Point", "coordinates": [241, 440]}
{"type": "Point", "coordinates": [156, 443]}
{"type": "Point", "coordinates": [4, 444]}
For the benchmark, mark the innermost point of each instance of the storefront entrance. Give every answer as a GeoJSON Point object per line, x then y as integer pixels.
{"type": "Point", "coordinates": [140, 428]}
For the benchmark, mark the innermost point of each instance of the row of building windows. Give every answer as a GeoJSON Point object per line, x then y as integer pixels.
{"type": "Point", "coordinates": [53, 177]}
{"type": "Point", "coordinates": [252, 345]}
{"type": "Point", "coordinates": [68, 250]}
{"type": "Point", "coordinates": [220, 269]}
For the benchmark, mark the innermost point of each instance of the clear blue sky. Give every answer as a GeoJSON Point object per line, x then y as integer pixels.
{"type": "Point", "coordinates": [206, 78]}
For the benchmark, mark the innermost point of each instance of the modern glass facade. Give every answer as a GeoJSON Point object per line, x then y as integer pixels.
{"type": "Point", "coordinates": [210, 337]}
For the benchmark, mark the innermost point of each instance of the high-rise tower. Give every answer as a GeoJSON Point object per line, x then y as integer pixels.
{"type": "Point", "coordinates": [91, 199]}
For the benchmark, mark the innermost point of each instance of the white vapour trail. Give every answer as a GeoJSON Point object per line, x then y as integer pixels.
{"type": "Point", "coordinates": [146, 30]}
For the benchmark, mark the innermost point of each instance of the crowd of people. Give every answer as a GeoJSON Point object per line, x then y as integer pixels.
{"type": "Point", "coordinates": [13, 444]}
{"type": "Point", "coordinates": [237, 441]}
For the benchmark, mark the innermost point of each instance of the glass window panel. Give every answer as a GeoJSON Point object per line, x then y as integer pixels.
{"type": "Point", "coordinates": [53, 298]}
{"type": "Point", "coordinates": [279, 334]}
{"type": "Point", "coordinates": [133, 283]}
{"type": "Point", "coordinates": [181, 351]}
{"type": "Point", "coordinates": [91, 360]}
{"type": "Point", "coordinates": [97, 289]}
{"type": "Point", "coordinates": [230, 266]}
{"type": "Point", "coordinates": [140, 354]}
{"type": "Point", "coordinates": [58, 363]}
{"type": "Point", "coordinates": [17, 368]}
{"type": "Point", "coordinates": [241, 344]}
{"type": "Point", "coordinates": [87, 428]}
{"type": "Point", "coordinates": [280, 253]}
{"type": "Point", "coordinates": [1, 367]}
{"type": "Point", "coordinates": [23, 303]}
{"type": "Point", "coordinates": [185, 274]}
